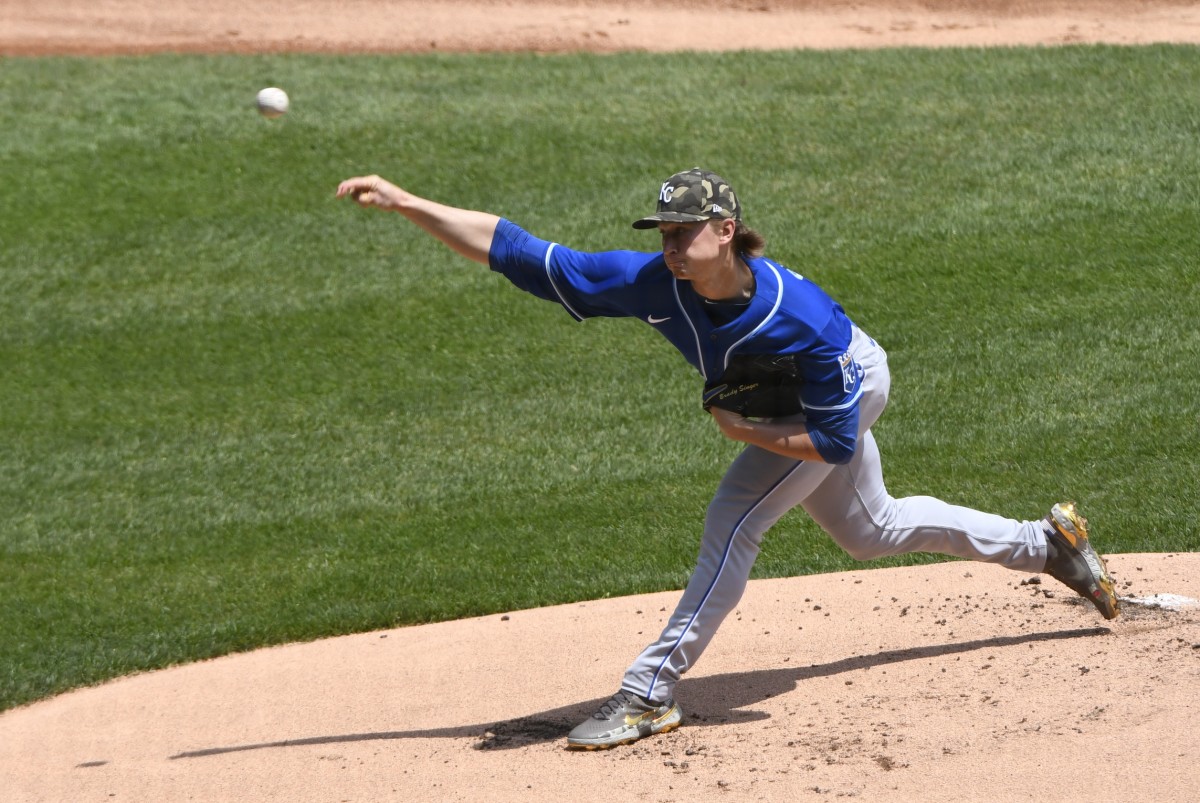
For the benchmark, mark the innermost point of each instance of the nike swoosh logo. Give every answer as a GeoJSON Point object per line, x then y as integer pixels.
{"type": "Point", "coordinates": [651, 319]}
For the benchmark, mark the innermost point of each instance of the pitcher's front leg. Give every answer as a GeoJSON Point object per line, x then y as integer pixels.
{"type": "Point", "coordinates": [758, 489]}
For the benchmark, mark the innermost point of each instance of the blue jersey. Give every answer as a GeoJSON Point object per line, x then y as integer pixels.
{"type": "Point", "coordinates": [787, 315]}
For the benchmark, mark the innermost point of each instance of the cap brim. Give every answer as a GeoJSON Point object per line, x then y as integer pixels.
{"type": "Point", "coordinates": [668, 217]}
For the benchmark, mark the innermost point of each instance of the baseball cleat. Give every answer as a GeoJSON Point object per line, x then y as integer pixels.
{"type": "Point", "coordinates": [1072, 561]}
{"type": "Point", "coordinates": [624, 718]}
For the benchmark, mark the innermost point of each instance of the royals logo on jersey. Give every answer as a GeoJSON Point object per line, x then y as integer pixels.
{"type": "Point", "coordinates": [852, 372]}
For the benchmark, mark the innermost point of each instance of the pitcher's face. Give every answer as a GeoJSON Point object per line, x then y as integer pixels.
{"type": "Point", "coordinates": [693, 250]}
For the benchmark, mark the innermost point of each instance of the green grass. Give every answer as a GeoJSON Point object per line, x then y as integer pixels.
{"type": "Point", "coordinates": [236, 412]}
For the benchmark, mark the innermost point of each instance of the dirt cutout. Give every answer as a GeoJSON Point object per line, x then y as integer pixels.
{"type": "Point", "coordinates": [954, 682]}
{"type": "Point", "coordinates": [31, 27]}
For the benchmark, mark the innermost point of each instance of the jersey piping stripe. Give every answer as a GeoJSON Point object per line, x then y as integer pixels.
{"type": "Point", "coordinates": [549, 275]}
{"type": "Point", "coordinates": [764, 321]}
{"type": "Point", "coordinates": [695, 332]}
{"type": "Point", "coordinates": [717, 575]}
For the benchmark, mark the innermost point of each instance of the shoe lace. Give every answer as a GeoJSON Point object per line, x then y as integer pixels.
{"type": "Point", "coordinates": [612, 705]}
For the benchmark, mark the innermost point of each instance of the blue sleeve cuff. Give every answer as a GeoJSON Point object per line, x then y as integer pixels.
{"type": "Point", "coordinates": [836, 436]}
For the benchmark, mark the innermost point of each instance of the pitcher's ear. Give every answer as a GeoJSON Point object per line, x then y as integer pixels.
{"type": "Point", "coordinates": [726, 229]}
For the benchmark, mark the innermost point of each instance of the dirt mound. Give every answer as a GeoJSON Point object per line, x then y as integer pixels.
{"type": "Point", "coordinates": [952, 682]}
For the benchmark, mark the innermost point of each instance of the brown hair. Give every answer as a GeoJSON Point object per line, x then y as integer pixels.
{"type": "Point", "coordinates": [747, 241]}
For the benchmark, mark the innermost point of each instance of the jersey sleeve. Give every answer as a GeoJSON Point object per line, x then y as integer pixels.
{"type": "Point", "coordinates": [586, 284]}
{"type": "Point", "coordinates": [835, 434]}
{"type": "Point", "coordinates": [830, 396]}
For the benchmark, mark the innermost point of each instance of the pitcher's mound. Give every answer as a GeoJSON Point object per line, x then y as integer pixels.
{"type": "Point", "coordinates": [952, 682]}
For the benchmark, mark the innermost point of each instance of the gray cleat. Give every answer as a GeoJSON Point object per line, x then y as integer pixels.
{"type": "Point", "coordinates": [623, 719]}
{"type": "Point", "coordinates": [1072, 561]}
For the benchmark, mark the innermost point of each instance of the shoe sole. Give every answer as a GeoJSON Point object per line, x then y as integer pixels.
{"type": "Point", "coordinates": [611, 745]}
{"type": "Point", "coordinates": [1073, 528]}
{"type": "Point", "coordinates": [667, 727]}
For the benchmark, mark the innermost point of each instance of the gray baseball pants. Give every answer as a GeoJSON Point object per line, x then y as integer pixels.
{"type": "Point", "coordinates": [850, 502]}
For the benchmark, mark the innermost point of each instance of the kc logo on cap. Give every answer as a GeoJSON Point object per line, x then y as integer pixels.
{"type": "Point", "coordinates": [692, 196]}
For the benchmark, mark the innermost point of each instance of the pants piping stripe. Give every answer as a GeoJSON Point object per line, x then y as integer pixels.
{"type": "Point", "coordinates": [716, 576]}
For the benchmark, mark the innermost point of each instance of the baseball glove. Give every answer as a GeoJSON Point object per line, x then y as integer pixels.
{"type": "Point", "coordinates": [757, 386]}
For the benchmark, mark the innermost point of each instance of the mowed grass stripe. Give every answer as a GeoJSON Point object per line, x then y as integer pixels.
{"type": "Point", "coordinates": [236, 412]}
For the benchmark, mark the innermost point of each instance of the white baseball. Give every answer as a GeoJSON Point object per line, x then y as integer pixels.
{"type": "Point", "coordinates": [272, 102]}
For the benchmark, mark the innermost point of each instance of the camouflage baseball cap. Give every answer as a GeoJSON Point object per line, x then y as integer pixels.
{"type": "Point", "coordinates": [691, 196]}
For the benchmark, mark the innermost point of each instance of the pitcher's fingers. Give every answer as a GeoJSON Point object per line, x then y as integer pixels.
{"type": "Point", "coordinates": [354, 186]}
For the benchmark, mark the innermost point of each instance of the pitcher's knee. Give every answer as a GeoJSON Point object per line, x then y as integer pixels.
{"type": "Point", "coordinates": [725, 518]}
{"type": "Point", "coordinates": [861, 553]}
{"type": "Point", "coordinates": [863, 543]}
{"type": "Point", "coordinates": [724, 532]}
